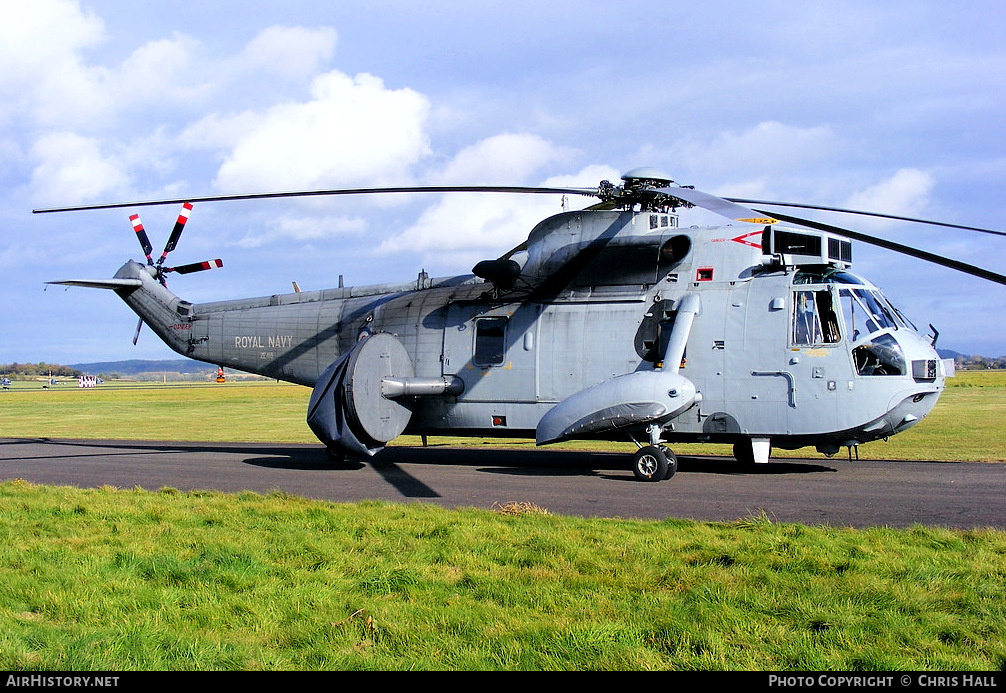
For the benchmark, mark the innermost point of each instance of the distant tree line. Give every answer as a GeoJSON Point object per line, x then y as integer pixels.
{"type": "Point", "coordinates": [34, 370]}
{"type": "Point", "coordinates": [974, 363]}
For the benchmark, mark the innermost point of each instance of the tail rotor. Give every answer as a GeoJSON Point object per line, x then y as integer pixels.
{"type": "Point", "coordinates": [176, 234]}
{"type": "Point", "coordinates": [159, 271]}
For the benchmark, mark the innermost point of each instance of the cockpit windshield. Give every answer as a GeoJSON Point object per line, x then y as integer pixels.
{"type": "Point", "coordinates": [867, 311]}
{"type": "Point", "coordinates": [814, 318]}
{"type": "Point", "coordinates": [869, 321]}
{"type": "Point", "coordinates": [880, 356]}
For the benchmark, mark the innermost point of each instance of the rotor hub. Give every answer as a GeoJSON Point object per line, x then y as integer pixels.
{"type": "Point", "coordinates": [645, 186]}
{"type": "Point", "coordinates": [646, 177]}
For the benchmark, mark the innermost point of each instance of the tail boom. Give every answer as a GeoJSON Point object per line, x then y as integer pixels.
{"type": "Point", "coordinates": [164, 312]}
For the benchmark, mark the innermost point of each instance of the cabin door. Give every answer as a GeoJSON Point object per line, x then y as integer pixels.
{"type": "Point", "coordinates": [493, 349]}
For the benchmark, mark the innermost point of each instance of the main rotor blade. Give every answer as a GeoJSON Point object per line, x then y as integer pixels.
{"type": "Point", "coordinates": [899, 248]}
{"type": "Point", "coordinates": [866, 214]}
{"type": "Point", "coordinates": [590, 192]}
{"type": "Point", "coordinates": [722, 206]}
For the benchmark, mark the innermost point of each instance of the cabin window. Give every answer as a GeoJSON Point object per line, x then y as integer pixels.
{"type": "Point", "coordinates": [814, 318]}
{"type": "Point", "coordinates": [490, 341]}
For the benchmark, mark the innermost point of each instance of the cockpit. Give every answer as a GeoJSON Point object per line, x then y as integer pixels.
{"type": "Point", "coordinates": [837, 304]}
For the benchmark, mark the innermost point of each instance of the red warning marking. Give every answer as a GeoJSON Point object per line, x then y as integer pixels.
{"type": "Point", "coordinates": [743, 240]}
{"type": "Point", "coordinates": [183, 216]}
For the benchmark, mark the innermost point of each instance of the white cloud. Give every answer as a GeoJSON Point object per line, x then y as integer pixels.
{"type": "Point", "coordinates": [71, 168]}
{"type": "Point", "coordinates": [67, 28]}
{"type": "Point", "coordinates": [42, 74]}
{"type": "Point", "coordinates": [506, 159]}
{"type": "Point", "coordinates": [48, 83]}
{"type": "Point", "coordinates": [768, 147]}
{"type": "Point", "coordinates": [906, 193]}
{"type": "Point", "coordinates": [461, 229]}
{"type": "Point", "coordinates": [353, 130]}
{"type": "Point", "coordinates": [292, 52]}
{"type": "Point", "coordinates": [155, 76]}
{"type": "Point", "coordinates": [303, 229]}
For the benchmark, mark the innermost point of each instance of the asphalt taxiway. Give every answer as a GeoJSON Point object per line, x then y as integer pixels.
{"type": "Point", "coordinates": [837, 492]}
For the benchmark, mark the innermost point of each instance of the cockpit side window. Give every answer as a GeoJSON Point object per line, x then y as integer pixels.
{"type": "Point", "coordinates": [880, 356]}
{"type": "Point", "coordinates": [814, 318]}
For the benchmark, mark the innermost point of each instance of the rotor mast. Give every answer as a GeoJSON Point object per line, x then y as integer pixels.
{"type": "Point", "coordinates": [646, 187]}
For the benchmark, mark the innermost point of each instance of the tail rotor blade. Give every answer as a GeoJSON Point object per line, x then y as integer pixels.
{"type": "Point", "coordinates": [196, 267]}
{"type": "Point", "coordinates": [176, 232]}
{"type": "Point", "coordinates": [136, 335]}
{"type": "Point", "coordinates": [141, 234]}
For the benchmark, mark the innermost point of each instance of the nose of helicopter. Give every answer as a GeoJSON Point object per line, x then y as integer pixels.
{"type": "Point", "coordinates": [910, 410]}
{"type": "Point", "coordinates": [912, 401]}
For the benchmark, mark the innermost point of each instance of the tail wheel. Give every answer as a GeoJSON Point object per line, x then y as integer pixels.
{"type": "Point", "coordinates": [651, 463]}
{"type": "Point", "coordinates": [743, 452]}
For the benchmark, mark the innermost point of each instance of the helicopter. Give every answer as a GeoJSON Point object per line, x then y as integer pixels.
{"type": "Point", "coordinates": [610, 322]}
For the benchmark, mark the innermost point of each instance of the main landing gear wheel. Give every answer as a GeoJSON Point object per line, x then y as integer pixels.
{"type": "Point", "coordinates": [654, 463]}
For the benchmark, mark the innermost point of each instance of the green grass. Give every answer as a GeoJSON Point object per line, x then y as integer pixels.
{"type": "Point", "coordinates": [126, 579]}
{"type": "Point", "coordinates": [258, 411]}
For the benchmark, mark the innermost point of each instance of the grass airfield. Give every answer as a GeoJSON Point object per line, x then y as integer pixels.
{"type": "Point", "coordinates": [124, 579]}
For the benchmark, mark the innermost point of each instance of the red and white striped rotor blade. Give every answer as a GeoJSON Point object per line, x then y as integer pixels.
{"type": "Point", "coordinates": [196, 267]}
{"type": "Point", "coordinates": [176, 232]}
{"type": "Point", "coordinates": [141, 234]}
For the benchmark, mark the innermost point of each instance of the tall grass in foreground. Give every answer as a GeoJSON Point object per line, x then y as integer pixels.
{"type": "Point", "coordinates": [115, 579]}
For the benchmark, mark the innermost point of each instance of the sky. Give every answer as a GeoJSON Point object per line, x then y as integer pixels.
{"type": "Point", "coordinates": [895, 107]}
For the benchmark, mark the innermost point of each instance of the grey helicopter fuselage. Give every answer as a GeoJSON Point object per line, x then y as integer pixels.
{"type": "Point", "coordinates": [609, 324]}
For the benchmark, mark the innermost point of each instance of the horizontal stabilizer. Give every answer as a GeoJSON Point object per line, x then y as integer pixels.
{"type": "Point", "coordinates": [101, 283]}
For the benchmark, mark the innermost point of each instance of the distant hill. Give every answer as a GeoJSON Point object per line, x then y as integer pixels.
{"type": "Point", "coordinates": [137, 366]}
{"type": "Point", "coordinates": [950, 354]}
